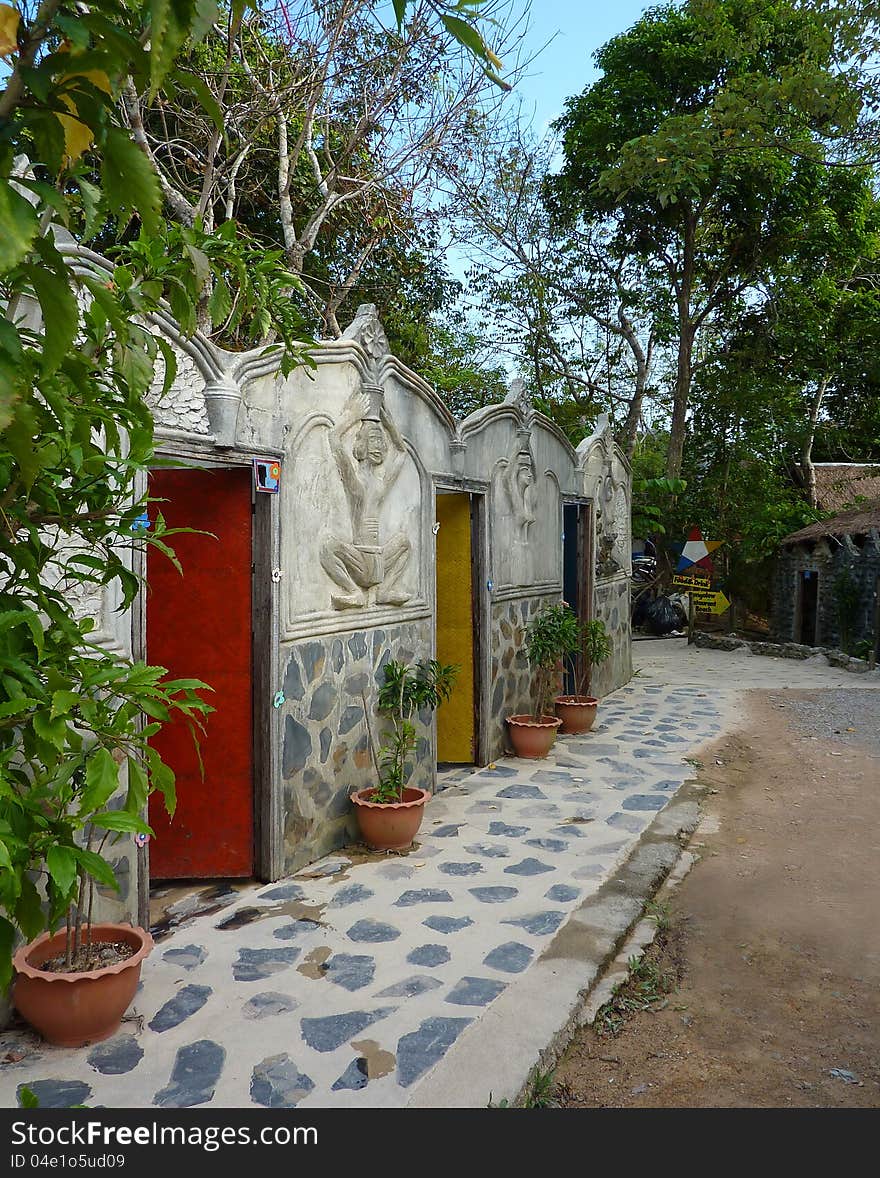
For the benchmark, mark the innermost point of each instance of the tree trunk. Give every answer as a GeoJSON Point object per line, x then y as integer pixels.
{"type": "Point", "coordinates": [643, 364]}
{"type": "Point", "coordinates": [808, 470]}
{"type": "Point", "coordinates": [633, 417]}
{"type": "Point", "coordinates": [686, 333]}
{"type": "Point", "coordinates": [680, 403]}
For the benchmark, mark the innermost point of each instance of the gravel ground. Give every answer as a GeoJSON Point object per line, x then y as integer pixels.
{"type": "Point", "coordinates": [773, 948]}
{"type": "Point", "coordinates": [851, 716]}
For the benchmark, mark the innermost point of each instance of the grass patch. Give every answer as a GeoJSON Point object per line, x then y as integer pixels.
{"type": "Point", "coordinates": [540, 1092]}
{"type": "Point", "coordinates": [647, 986]}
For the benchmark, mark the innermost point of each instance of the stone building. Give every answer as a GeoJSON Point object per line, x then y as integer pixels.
{"type": "Point", "coordinates": [827, 580]}
{"type": "Point", "coordinates": [343, 518]}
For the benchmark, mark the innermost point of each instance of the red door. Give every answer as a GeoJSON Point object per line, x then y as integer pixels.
{"type": "Point", "coordinates": [199, 627]}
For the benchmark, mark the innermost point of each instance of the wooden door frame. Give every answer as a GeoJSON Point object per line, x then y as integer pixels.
{"type": "Point", "coordinates": [585, 606]}
{"type": "Point", "coordinates": [265, 634]}
{"type": "Point", "coordinates": [481, 618]}
{"type": "Point", "coordinates": [481, 606]}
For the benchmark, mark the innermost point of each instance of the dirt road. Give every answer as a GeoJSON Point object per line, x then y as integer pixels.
{"type": "Point", "coordinates": [773, 953]}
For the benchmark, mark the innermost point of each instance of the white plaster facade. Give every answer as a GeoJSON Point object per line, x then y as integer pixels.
{"type": "Point", "coordinates": [345, 568]}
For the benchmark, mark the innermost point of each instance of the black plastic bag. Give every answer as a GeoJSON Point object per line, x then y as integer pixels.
{"type": "Point", "coordinates": [640, 609]}
{"type": "Point", "coordinates": [662, 616]}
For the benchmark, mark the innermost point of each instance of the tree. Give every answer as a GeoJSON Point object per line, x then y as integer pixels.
{"type": "Point", "coordinates": [461, 365]}
{"type": "Point", "coordinates": [698, 143]}
{"type": "Point", "coordinates": [556, 299]}
{"type": "Point", "coordinates": [801, 353]}
{"type": "Point", "coordinates": [77, 357]}
{"type": "Point", "coordinates": [823, 318]}
{"type": "Point", "coordinates": [74, 429]}
{"type": "Point", "coordinates": [738, 472]}
{"type": "Point", "coordinates": [321, 129]}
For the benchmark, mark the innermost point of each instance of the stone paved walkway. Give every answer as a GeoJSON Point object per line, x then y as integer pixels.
{"type": "Point", "coordinates": [346, 984]}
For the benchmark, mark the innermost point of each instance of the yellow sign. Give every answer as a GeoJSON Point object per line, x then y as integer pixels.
{"type": "Point", "coordinates": [691, 581]}
{"type": "Point", "coordinates": [708, 602]}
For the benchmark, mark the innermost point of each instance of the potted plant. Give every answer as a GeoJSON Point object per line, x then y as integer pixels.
{"type": "Point", "coordinates": [578, 712]}
{"type": "Point", "coordinates": [550, 636]}
{"type": "Point", "coordinates": [59, 820]}
{"type": "Point", "coordinates": [390, 813]}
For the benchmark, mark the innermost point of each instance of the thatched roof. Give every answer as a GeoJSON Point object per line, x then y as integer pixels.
{"type": "Point", "coordinates": [858, 521]}
{"type": "Point", "coordinates": [839, 485]}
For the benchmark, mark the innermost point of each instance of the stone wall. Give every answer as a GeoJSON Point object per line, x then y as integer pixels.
{"type": "Point", "coordinates": [785, 650]}
{"type": "Point", "coordinates": [790, 563]}
{"type": "Point", "coordinates": [325, 752]}
{"type": "Point", "coordinates": [612, 606]}
{"type": "Point", "coordinates": [829, 558]}
{"type": "Point", "coordinates": [511, 679]}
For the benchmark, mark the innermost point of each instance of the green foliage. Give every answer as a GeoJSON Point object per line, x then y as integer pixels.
{"type": "Point", "coordinates": [540, 1090]}
{"type": "Point", "coordinates": [737, 486]}
{"type": "Point", "coordinates": [332, 164]}
{"type": "Point", "coordinates": [244, 293]}
{"type": "Point", "coordinates": [551, 636]}
{"type": "Point", "coordinates": [652, 501]}
{"type": "Point", "coordinates": [646, 988]}
{"type": "Point", "coordinates": [454, 361]}
{"type": "Point", "coordinates": [544, 294]}
{"type": "Point", "coordinates": [771, 521]}
{"type": "Point", "coordinates": [706, 102]}
{"type": "Point", "coordinates": [799, 370]}
{"type": "Point", "coordinates": [77, 360]}
{"type": "Point", "coordinates": [407, 690]}
{"type": "Point", "coordinates": [701, 146]}
{"type": "Point", "coordinates": [464, 31]}
{"type": "Point", "coordinates": [595, 647]}
{"type": "Point", "coordinates": [659, 912]}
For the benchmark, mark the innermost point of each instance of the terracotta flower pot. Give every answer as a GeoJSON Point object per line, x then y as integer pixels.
{"type": "Point", "coordinates": [73, 1009]}
{"type": "Point", "coordinates": [577, 713]}
{"type": "Point", "coordinates": [389, 826]}
{"type": "Point", "coordinates": [532, 737]}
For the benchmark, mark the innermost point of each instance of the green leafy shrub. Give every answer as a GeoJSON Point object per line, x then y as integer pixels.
{"type": "Point", "coordinates": [595, 647]}
{"type": "Point", "coordinates": [78, 357]}
{"type": "Point", "coordinates": [407, 690]}
{"type": "Point", "coordinates": [551, 636]}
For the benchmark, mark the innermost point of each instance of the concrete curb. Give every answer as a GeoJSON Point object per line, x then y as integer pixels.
{"type": "Point", "coordinates": [535, 1019]}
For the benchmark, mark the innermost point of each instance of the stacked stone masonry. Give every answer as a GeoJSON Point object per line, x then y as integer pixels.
{"type": "Point", "coordinates": [511, 680]}
{"type": "Point", "coordinates": [829, 558]}
{"type": "Point", "coordinates": [326, 743]}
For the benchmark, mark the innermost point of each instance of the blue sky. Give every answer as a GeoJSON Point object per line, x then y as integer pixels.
{"type": "Point", "coordinates": [565, 66]}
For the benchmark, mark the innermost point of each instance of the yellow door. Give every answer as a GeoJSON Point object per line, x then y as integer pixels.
{"type": "Point", "coordinates": [455, 626]}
